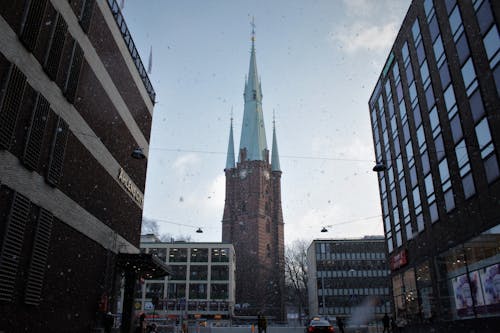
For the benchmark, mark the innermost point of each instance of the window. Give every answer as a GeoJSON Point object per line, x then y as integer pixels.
{"type": "Point", "coordinates": [220, 255]}
{"type": "Point", "coordinates": [484, 16]}
{"type": "Point", "coordinates": [469, 76]}
{"type": "Point", "coordinates": [406, 54]}
{"type": "Point", "coordinates": [483, 135]}
{"type": "Point", "coordinates": [198, 272]}
{"type": "Point", "coordinates": [456, 128]}
{"type": "Point", "coordinates": [197, 290]}
{"type": "Point", "coordinates": [429, 9]}
{"type": "Point", "coordinates": [199, 255]}
{"type": "Point", "coordinates": [476, 105]}
{"type": "Point", "coordinates": [444, 174]}
{"type": "Point", "coordinates": [434, 120]}
{"type": "Point", "coordinates": [464, 167]}
{"type": "Point", "coordinates": [438, 142]}
{"type": "Point", "coordinates": [178, 255]}
{"type": "Point", "coordinates": [439, 51]}
{"type": "Point", "coordinates": [456, 23]}
{"type": "Point", "coordinates": [178, 272]}
{"type": "Point", "coordinates": [444, 74]}
{"type": "Point", "coordinates": [434, 28]}
{"type": "Point", "coordinates": [449, 99]}
{"type": "Point", "coordinates": [417, 37]}
{"type": "Point", "coordinates": [492, 46]}
{"type": "Point", "coordinates": [424, 72]}
{"type": "Point", "coordinates": [462, 49]}
{"type": "Point", "coordinates": [416, 200]}
{"type": "Point", "coordinates": [219, 272]}
{"type": "Point", "coordinates": [417, 116]}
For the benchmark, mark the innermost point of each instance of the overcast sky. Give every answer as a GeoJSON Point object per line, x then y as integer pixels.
{"type": "Point", "coordinates": [318, 62]}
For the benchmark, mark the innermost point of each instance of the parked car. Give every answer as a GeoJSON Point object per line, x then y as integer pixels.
{"type": "Point", "coordinates": [319, 326]}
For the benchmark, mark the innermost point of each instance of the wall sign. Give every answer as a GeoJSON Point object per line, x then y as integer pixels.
{"type": "Point", "coordinates": [132, 189]}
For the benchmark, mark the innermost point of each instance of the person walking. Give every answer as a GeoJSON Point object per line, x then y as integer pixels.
{"type": "Point", "coordinates": [340, 324]}
{"type": "Point", "coordinates": [262, 323]}
{"type": "Point", "coordinates": [386, 323]}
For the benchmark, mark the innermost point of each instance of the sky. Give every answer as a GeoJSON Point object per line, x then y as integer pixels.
{"type": "Point", "coordinates": [318, 62]}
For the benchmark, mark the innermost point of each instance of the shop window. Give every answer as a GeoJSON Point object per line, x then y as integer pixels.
{"type": "Point", "coordinates": [468, 276]}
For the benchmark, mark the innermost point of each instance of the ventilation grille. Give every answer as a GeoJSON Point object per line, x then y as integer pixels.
{"type": "Point", "coordinates": [12, 245]}
{"type": "Point", "coordinates": [36, 133]}
{"type": "Point", "coordinates": [9, 106]}
{"type": "Point", "coordinates": [86, 14]}
{"type": "Point", "coordinates": [56, 47]}
{"type": "Point", "coordinates": [74, 73]}
{"type": "Point", "coordinates": [32, 24]}
{"type": "Point", "coordinates": [38, 264]}
{"type": "Point", "coordinates": [57, 153]}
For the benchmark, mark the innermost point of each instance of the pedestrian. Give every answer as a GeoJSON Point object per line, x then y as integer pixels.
{"type": "Point", "coordinates": [109, 320]}
{"type": "Point", "coordinates": [142, 317]}
{"type": "Point", "coordinates": [262, 323]}
{"type": "Point", "coordinates": [386, 323]}
{"type": "Point", "coordinates": [340, 324]}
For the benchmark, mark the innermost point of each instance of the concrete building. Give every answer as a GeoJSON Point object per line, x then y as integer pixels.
{"type": "Point", "coordinates": [202, 284]}
{"type": "Point", "coordinates": [253, 217]}
{"type": "Point", "coordinates": [436, 130]}
{"type": "Point", "coordinates": [346, 276]}
{"type": "Point", "coordinates": [75, 102]}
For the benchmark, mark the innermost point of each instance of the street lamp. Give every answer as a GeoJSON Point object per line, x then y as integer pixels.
{"type": "Point", "coordinates": [199, 231]}
{"type": "Point", "coordinates": [138, 154]}
{"type": "Point", "coordinates": [379, 167]}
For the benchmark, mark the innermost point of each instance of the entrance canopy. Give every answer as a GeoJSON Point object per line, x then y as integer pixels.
{"type": "Point", "coordinates": [144, 265]}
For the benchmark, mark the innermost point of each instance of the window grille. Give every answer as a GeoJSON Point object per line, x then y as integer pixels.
{"type": "Point", "coordinates": [56, 43]}
{"type": "Point", "coordinates": [9, 105]}
{"type": "Point", "coordinates": [38, 263]}
{"type": "Point", "coordinates": [12, 245]}
{"type": "Point", "coordinates": [36, 133]}
{"type": "Point", "coordinates": [32, 23]}
{"type": "Point", "coordinates": [57, 153]}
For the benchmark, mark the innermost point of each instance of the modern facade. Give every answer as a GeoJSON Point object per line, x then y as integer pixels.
{"type": "Point", "coordinates": [202, 283]}
{"type": "Point", "coordinates": [345, 276]}
{"type": "Point", "coordinates": [75, 101]}
{"type": "Point", "coordinates": [253, 218]}
{"type": "Point", "coordinates": [436, 130]}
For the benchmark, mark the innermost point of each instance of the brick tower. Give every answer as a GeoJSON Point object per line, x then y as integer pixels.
{"type": "Point", "coordinates": [253, 218]}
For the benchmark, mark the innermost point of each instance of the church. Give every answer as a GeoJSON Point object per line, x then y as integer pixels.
{"type": "Point", "coordinates": [253, 217]}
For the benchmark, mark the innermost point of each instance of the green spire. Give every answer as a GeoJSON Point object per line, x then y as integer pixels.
{"type": "Point", "coordinates": [230, 148]}
{"type": "Point", "coordinates": [253, 133]}
{"type": "Point", "coordinates": [275, 160]}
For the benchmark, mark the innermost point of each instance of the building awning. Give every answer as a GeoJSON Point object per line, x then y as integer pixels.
{"type": "Point", "coordinates": [145, 265]}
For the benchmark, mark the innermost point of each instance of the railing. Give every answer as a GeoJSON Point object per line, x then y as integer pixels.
{"type": "Point", "coordinates": [122, 26]}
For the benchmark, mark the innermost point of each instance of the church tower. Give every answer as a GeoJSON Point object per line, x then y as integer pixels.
{"type": "Point", "coordinates": [253, 218]}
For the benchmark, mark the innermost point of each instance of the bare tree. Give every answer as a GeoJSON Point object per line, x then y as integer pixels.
{"type": "Point", "coordinates": [296, 274]}
{"type": "Point", "coordinates": [150, 226]}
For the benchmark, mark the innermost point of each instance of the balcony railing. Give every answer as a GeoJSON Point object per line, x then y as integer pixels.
{"type": "Point", "coordinates": [122, 26]}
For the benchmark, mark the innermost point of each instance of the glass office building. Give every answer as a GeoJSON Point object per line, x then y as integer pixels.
{"type": "Point", "coordinates": [436, 131]}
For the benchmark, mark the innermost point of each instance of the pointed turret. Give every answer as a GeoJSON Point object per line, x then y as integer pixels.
{"type": "Point", "coordinates": [253, 133]}
{"type": "Point", "coordinates": [230, 163]}
{"type": "Point", "coordinates": [275, 159]}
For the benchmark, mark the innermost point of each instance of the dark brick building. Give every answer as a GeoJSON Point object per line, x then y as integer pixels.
{"type": "Point", "coordinates": [436, 129]}
{"type": "Point", "coordinates": [253, 218]}
{"type": "Point", "coordinates": [75, 102]}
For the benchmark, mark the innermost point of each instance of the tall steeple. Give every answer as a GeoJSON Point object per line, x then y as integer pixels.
{"type": "Point", "coordinates": [253, 218]}
{"type": "Point", "coordinates": [253, 133]}
{"type": "Point", "coordinates": [275, 159]}
{"type": "Point", "coordinates": [230, 164]}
